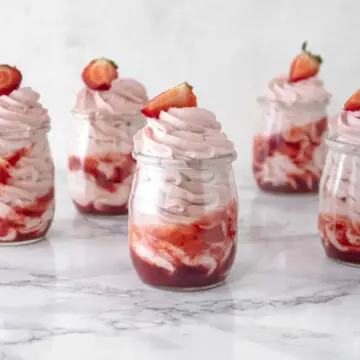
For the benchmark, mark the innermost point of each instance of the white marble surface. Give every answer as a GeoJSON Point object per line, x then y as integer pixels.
{"type": "Point", "coordinates": [76, 296]}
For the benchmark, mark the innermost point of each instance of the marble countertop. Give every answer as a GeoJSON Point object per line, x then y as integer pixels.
{"type": "Point", "coordinates": [75, 296]}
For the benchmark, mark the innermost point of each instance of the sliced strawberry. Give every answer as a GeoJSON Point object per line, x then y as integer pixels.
{"type": "Point", "coordinates": [99, 74]}
{"type": "Point", "coordinates": [178, 97]}
{"type": "Point", "coordinates": [305, 65]}
{"type": "Point", "coordinates": [353, 104]}
{"type": "Point", "coordinates": [10, 79]}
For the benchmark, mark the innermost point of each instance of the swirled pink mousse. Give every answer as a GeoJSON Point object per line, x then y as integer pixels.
{"type": "Point", "coordinates": [311, 90]}
{"type": "Point", "coordinates": [26, 169]}
{"type": "Point", "coordinates": [101, 180]}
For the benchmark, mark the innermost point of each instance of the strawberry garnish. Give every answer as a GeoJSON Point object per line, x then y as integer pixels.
{"type": "Point", "coordinates": [178, 97]}
{"type": "Point", "coordinates": [305, 65]}
{"type": "Point", "coordinates": [99, 74]}
{"type": "Point", "coordinates": [353, 104]}
{"type": "Point", "coordinates": [10, 79]}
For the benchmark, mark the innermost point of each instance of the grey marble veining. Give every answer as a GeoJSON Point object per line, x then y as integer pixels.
{"type": "Point", "coordinates": [76, 296]}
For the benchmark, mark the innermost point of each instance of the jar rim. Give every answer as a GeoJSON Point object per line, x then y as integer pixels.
{"type": "Point", "coordinates": [262, 100]}
{"type": "Point", "coordinates": [333, 141]}
{"type": "Point", "coordinates": [27, 132]}
{"type": "Point", "coordinates": [88, 115]}
{"type": "Point", "coordinates": [184, 162]}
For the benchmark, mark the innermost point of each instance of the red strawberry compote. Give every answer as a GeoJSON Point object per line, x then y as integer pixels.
{"type": "Point", "coordinates": [101, 166]}
{"type": "Point", "coordinates": [339, 209]}
{"type": "Point", "coordinates": [26, 168]}
{"type": "Point", "coordinates": [183, 205]}
{"type": "Point", "coordinates": [288, 148]}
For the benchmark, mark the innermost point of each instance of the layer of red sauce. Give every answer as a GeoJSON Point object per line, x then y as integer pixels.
{"type": "Point", "coordinates": [193, 239]}
{"type": "Point", "coordinates": [106, 210]}
{"type": "Point", "coordinates": [90, 166]}
{"type": "Point", "coordinates": [9, 162]}
{"type": "Point", "coordinates": [342, 227]}
{"type": "Point", "coordinates": [123, 167]}
{"type": "Point", "coordinates": [298, 144]}
{"type": "Point", "coordinates": [20, 215]}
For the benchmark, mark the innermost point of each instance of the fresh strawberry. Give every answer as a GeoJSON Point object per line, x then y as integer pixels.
{"type": "Point", "coordinates": [353, 104]}
{"type": "Point", "coordinates": [178, 97]}
{"type": "Point", "coordinates": [10, 79]}
{"type": "Point", "coordinates": [305, 65]}
{"type": "Point", "coordinates": [99, 74]}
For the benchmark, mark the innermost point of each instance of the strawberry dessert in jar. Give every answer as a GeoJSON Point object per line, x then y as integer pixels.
{"type": "Point", "coordinates": [100, 163]}
{"type": "Point", "coordinates": [288, 148]}
{"type": "Point", "coordinates": [339, 209]}
{"type": "Point", "coordinates": [26, 167]}
{"type": "Point", "coordinates": [183, 205]}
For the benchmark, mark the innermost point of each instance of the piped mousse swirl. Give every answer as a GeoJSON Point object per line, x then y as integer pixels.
{"type": "Point", "coordinates": [181, 134]}
{"type": "Point", "coordinates": [307, 91]}
{"type": "Point", "coordinates": [21, 110]}
{"type": "Point", "coordinates": [186, 133]}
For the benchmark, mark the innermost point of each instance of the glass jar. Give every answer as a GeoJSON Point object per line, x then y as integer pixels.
{"type": "Point", "coordinates": [339, 206]}
{"type": "Point", "coordinates": [183, 222]}
{"type": "Point", "coordinates": [100, 162]}
{"type": "Point", "coordinates": [27, 202]}
{"type": "Point", "coordinates": [288, 148]}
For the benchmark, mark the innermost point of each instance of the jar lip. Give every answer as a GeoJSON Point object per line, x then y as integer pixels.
{"type": "Point", "coordinates": [25, 132]}
{"type": "Point", "coordinates": [262, 100]}
{"type": "Point", "coordinates": [334, 142]}
{"type": "Point", "coordinates": [185, 162]}
{"type": "Point", "coordinates": [89, 115]}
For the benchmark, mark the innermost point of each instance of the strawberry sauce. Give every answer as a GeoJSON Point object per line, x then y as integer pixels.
{"type": "Point", "coordinates": [9, 162]}
{"type": "Point", "coordinates": [298, 145]}
{"type": "Point", "coordinates": [122, 168]}
{"type": "Point", "coordinates": [341, 237]}
{"type": "Point", "coordinates": [195, 255]}
{"type": "Point", "coordinates": [14, 226]}
{"type": "Point", "coordinates": [20, 216]}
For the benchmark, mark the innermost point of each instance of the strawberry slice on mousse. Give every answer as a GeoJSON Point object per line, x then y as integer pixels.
{"type": "Point", "coordinates": [305, 65]}
{"type": "Point", "coordinates": [10, 79]}
{"type": "Point", "coordinates": [99, 74]}
{"type": "Point", "coordinates": [353, 104]}
{"type": "Point", "coordinates": [178, 97]}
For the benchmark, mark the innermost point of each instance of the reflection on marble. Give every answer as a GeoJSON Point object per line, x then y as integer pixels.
{"type": "Point", "coordinates": [76, 296]}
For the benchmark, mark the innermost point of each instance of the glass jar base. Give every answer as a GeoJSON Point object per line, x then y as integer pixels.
{"type": "Point", "coordinates": [345, 258]}
{"type": "Point", "coordinates": [108, 212]}
{"type": "Point", "coordinates": [21, 242]}
{"type": "Point", "coordinates": [346, 263]}
{"type": "Point", "coordinates": [184, 279]}
{"type": "Point", "coordinates": [287, 189]}
{"type": "Point", "coordinates": [186, 289]}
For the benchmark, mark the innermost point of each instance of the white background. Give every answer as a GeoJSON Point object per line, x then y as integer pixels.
{"type": "Point", "coordinates": [227, 49]}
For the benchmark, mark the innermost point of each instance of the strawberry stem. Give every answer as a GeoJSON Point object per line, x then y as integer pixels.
{"type": "Point", "coordinates": [318, 58]}
{"type": "Point", "coordinates": [304, 46]}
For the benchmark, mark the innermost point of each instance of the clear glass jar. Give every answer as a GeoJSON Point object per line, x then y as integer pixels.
{"type": "Point", "coordinates": [183, 222]}
{"type": "Point", "coordinates": [27, 201]}
{"type": "Point", "coordinates": [100, 162]}
{"type": "Point", "coordinates": [339, 206]}
{"type": "Point", "coordinates": [288, 147]}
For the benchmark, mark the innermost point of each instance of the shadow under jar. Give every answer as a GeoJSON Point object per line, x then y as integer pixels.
{"type": "Point", "coordinates": [183, 222]}
{"type": "Point", "coordinates": [100, 163]}
{"type": "Point", "coordinates": [339, 207]}
{"type": "Point", "coordinates": [288, 148]}
{"type": "Point", "coordinates": [27, 202]}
